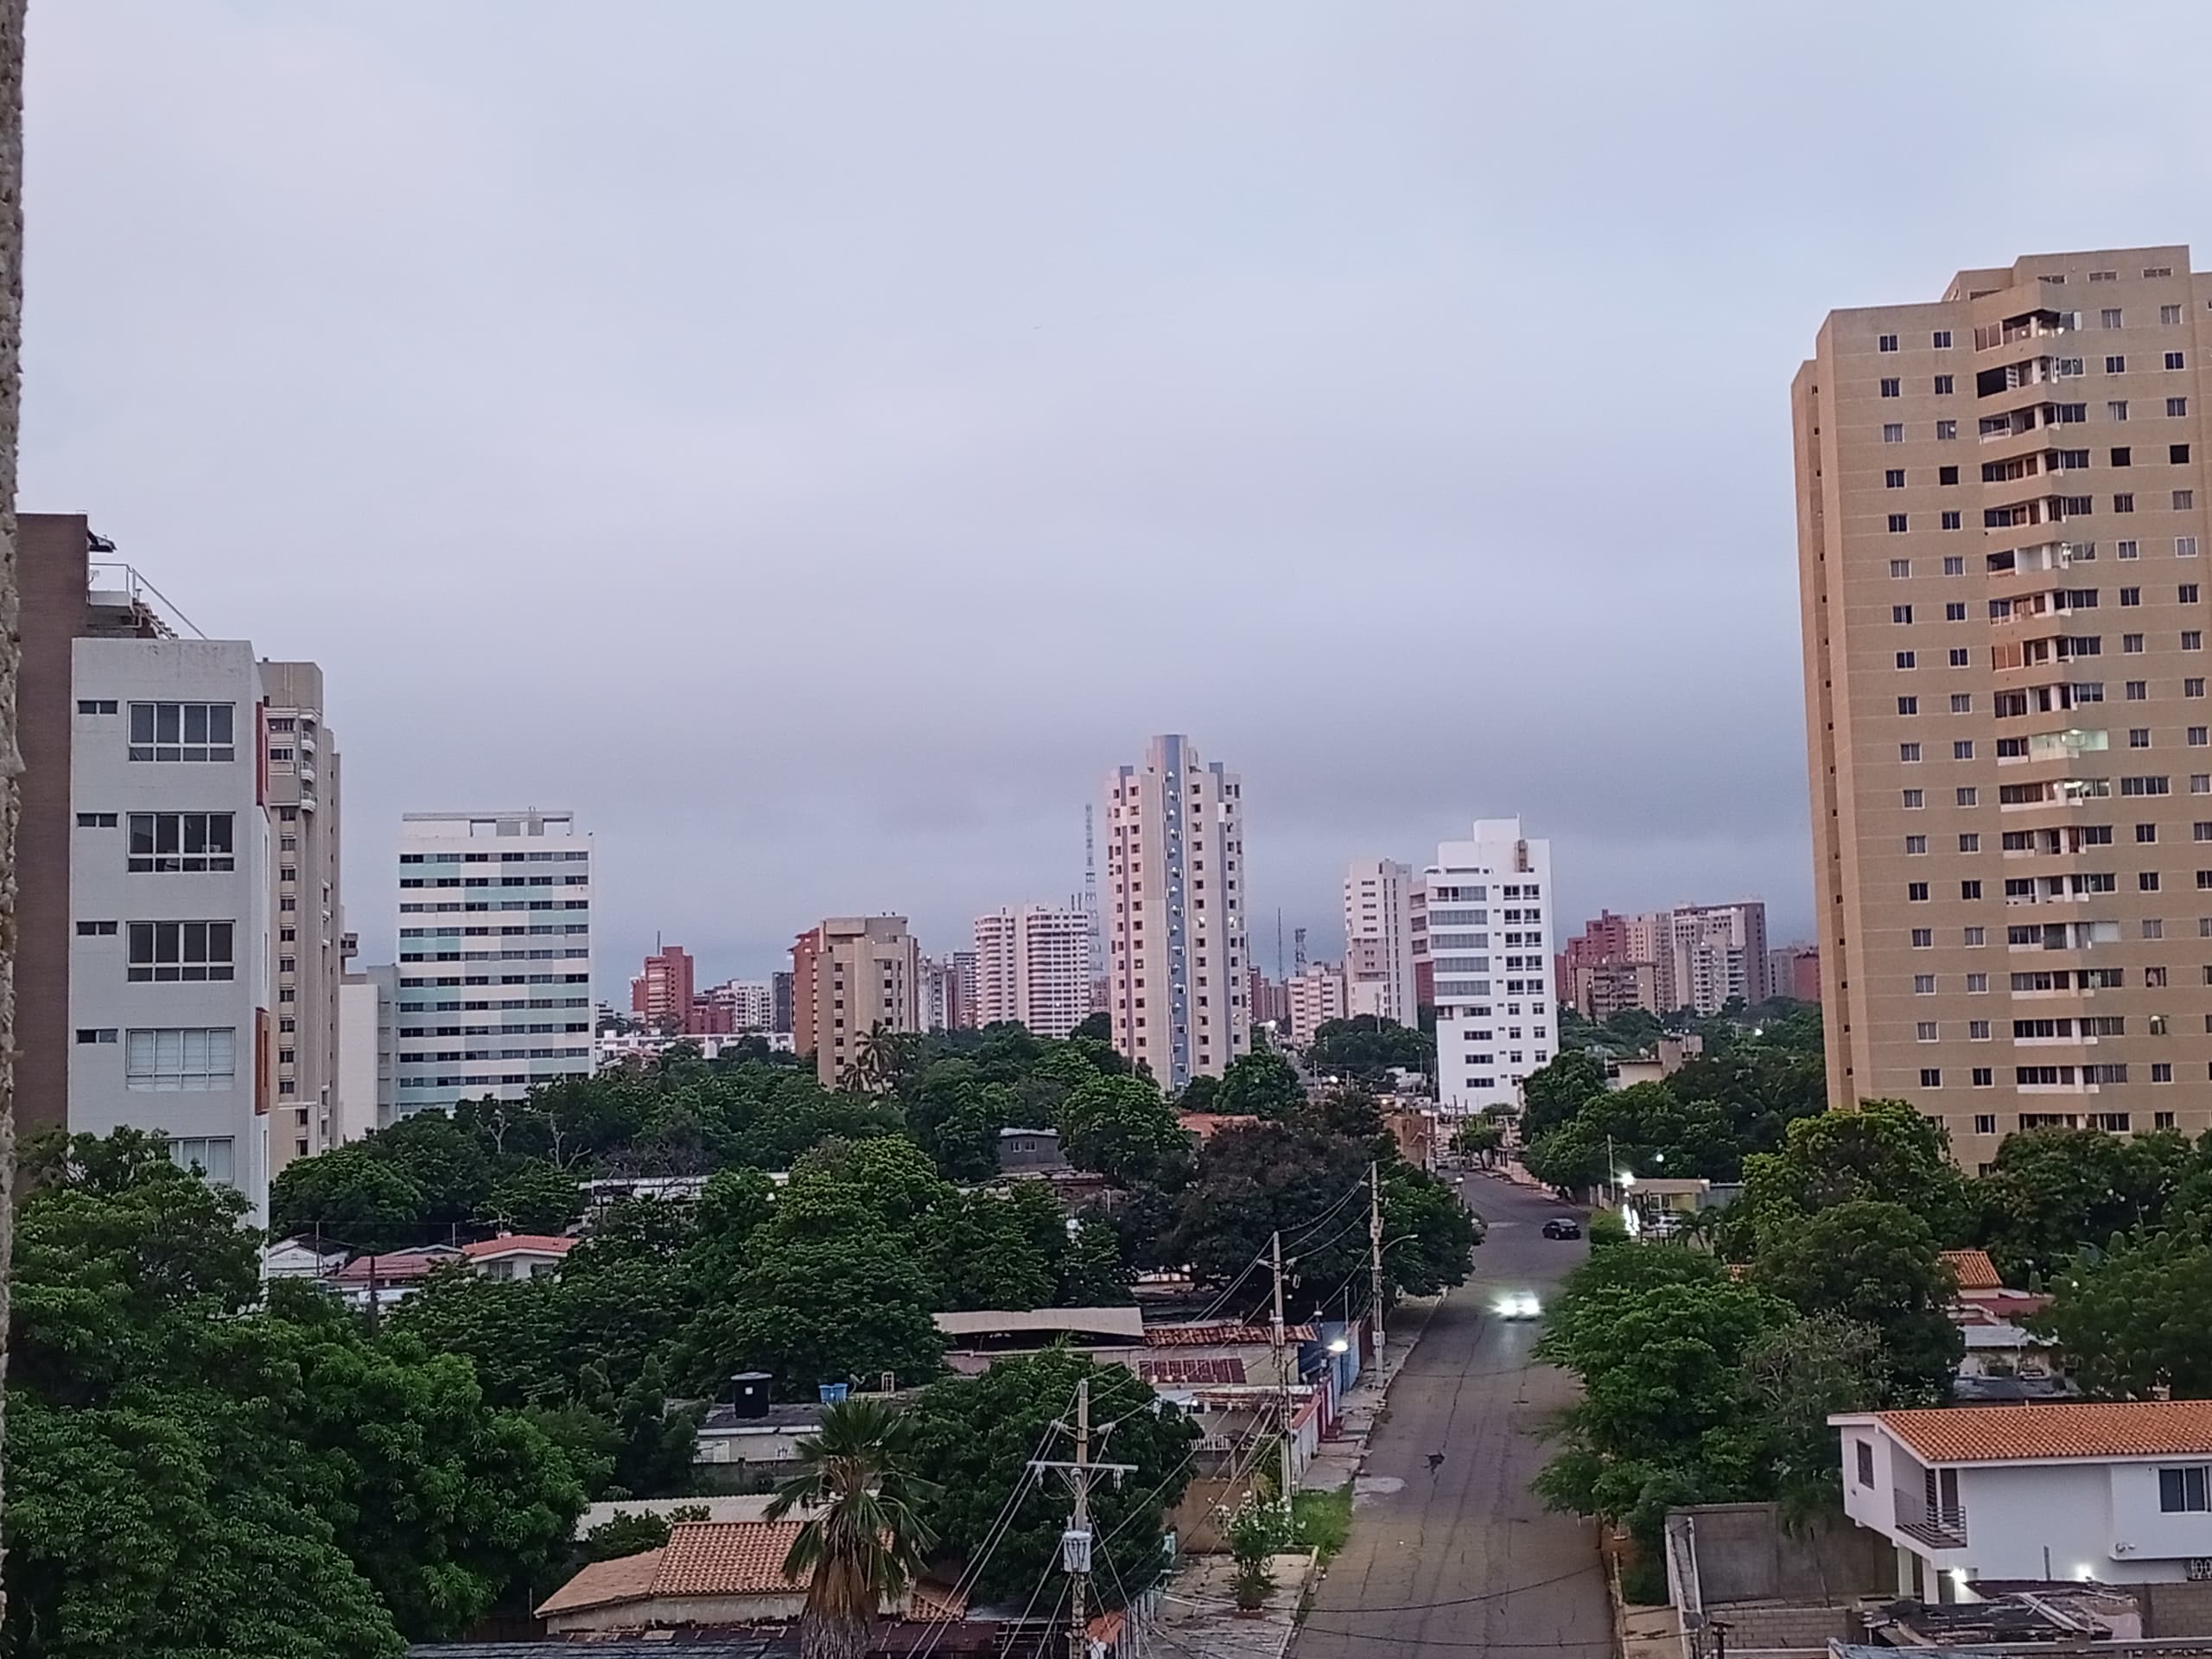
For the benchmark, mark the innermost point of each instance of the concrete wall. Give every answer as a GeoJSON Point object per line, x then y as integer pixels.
{"type": "Point", "coordinates": [1745, 1553]}
{"type": "Point", "coordinates": [2174, 1610]}
{"type": "Point", "coordinates": [1806, 1629]}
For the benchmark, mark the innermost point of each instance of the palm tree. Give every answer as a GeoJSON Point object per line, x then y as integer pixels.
{"type": "Point", "coordinates": [864, 1539]}
{"type": "Point", "coordinates": [884, 1057]}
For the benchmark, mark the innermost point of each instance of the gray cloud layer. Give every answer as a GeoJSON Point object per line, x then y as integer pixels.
{"type": "Point", "coordinates": [817, 443]}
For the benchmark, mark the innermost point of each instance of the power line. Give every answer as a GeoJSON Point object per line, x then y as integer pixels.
{"type": "Point", "coordinates": [1466, 1601]}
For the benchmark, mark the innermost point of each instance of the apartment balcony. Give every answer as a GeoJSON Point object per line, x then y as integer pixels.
{"type": "Point", "coordinates": [1943, 1527]}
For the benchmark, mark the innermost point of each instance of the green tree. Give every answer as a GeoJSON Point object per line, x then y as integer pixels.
{"type": "Point", "coordinates": [446, 1165]}
{"type": "Point", "coordinates": [1876, 1264]}
{"type": "Point", "coordinates": [1367, 1050]}
{"type": "Point", "coordinates": [863, 1539]}
{"type": "Point", "coordinates": [348, 1194]}
{"type": "Point", "coordinates": [1260, 1085]}
{"type": "Point", "coordinates": [1555, 1091]}
{"type": "Point", "coordinates": [2131, 1324]}
{"type": "Point", "coordinates": [976, 1251]}
{"type": "Point", "coordinates": [1480, 1138]}
{"type": "Point", "coordinates": [1095, 1028]}
{"type": "Point", "coordinates": [819, 1310]}
{"type": "Point", "coordinates": [1883, 1149]}
{"type": "Point", "coordinates": [1123, 1128]}
{"type": "Point", "coordinates": [537, 1198]}
{"type": "Point", "coordinates": [2052, 1192]}
{"type": "Point", "coordinates": [974, 1437]}
{"type": "Point", "coordinates": [1801, 1375]}
{"type": "Point", "coordinates": [1092, 1272]}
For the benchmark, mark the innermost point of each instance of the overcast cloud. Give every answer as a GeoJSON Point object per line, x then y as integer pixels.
{"type": "Point", "coordinates": [817, 443]}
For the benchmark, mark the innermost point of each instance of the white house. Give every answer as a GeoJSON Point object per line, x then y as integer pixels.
{"type": "Point", "coordinates": [517, 1255]}
{"type": "Point", "coordinates": [2113, 1493]}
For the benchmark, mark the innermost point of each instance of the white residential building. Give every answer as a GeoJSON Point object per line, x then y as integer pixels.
{"type": "Point", "coordinates": [1489, 946]}
{"type": "Point", "coordinates": [1032, 966]}
{"type": "Point", "coordinates": [494, 955]}
{"type": "Point", "coordinates": [1174, 890]}
{"type": "Point", "coordinates": [368, 1003]}
{"type": "Point", "coordinates": [1316, 994]}
{"type": "Point", "coordinates": [1379, 940]}
{"type": "Point", "coordinates": [171, 1005]}
{"type": "Point", "coordinates": [2116, 1493]}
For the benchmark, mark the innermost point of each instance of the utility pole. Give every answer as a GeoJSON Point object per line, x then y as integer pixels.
{"type": "Point", "coordinates": [1076, 1541]}
{"type": "Point", "coordinates": [1374, 1255]}
{"type": "Point", "coordinates": [1282, 1380]}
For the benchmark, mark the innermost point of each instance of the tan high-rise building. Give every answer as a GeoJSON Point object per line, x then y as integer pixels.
{"type": "Point", "coordinates": [1175, 920]}
{"type": "Point", "coordinates": [2002, 514]}
{"type": "Point", "coordinates": [309, 920]}
{"type": "Point", "coordinates": [865, 973]}
{"type": "Point", "coordinates": [1378, 940]}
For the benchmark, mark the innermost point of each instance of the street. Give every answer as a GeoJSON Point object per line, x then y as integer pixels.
{"type": "Point", "coordinates": [1465, 1559]}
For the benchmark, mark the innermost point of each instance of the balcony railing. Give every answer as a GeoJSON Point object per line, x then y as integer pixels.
{"type": "Point", "coordinates": [1942, 1527]}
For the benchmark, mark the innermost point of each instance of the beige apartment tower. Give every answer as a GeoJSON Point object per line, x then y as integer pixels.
{"type": "Point", "coordinates": [1175, 920]}
{"type": "Point", "coordinates": [2002, 516]}
{"type": "Point", "coordinates": [867, 972]}
{"type": "Point", "coordinates": [302, 768]}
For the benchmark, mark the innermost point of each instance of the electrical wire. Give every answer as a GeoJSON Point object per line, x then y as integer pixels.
{"type": "Point", "coordinates": [1461, 1601]}
{"type": "Point", "coordinates": [996, 1535]}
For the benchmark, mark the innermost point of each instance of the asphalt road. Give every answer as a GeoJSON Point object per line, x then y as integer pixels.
{"type": "Point", "coordinates": [1465, 1560]}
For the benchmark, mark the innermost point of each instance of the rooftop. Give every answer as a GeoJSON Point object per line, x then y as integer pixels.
{"type": "Point", "coordinates": [1974, 1270]}
{"type": "Point", "coordinates": [2036, 1433]}
{"type": "Point", "coordinates": [1219, 1335]}
{"type": "Point", "coordinates": [509, 1243]}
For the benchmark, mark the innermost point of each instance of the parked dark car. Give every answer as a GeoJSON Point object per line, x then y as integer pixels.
{"type": "Point", "coordinates": [1562, 1227]}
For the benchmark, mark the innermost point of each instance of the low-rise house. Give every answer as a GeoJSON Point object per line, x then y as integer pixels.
{"type": "Point", "coordinates": [708, 1573]}
{"type": "Point", "coordinates": [517, 1255]}
{"type": "Point", "coordinates": [302, 1258]}
{"type": "Point", "coordinates": [1030, 1152]}
{"type": "Point", "coordinates": [390, 1277]}
{"type": "Point", "coordinates": [749, 1442]}
{"type": "Point", "coordinates": [2116, 1493]}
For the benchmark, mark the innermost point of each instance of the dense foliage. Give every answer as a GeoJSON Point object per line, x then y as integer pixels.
{"type": "Point", "coordinates": [1736, 1099]}
{"type": "Point", "coordinates": [1366, 1050]}
{"type": "Point", "coordinates": [190, 1473]}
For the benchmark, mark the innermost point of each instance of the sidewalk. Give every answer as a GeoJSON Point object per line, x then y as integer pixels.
{"type": "Point", "coordinates": [1197, 1617]}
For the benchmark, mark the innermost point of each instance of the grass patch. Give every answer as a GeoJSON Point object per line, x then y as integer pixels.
{"type": "Point", "coordinates": [1322, 1521]}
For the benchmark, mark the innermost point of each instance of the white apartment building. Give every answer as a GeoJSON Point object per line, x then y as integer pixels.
{"type": "Point", "coordinates": [1032, 966]}
{"type": "Point", "coordinates": [368, 1004]}
{"type": "Point", "coordinates": [494, 955]}
{"type": "Point", "coordinates": [1490, 945]}
{"type": "Point", "coordinates": [173, 1013]}
{"type": "Point", "coordinates": [1379, 940]}
{"type": "Point", "coordinates": [1316, 995]}
{"type": "Point", "coordinates": [1175, 917]}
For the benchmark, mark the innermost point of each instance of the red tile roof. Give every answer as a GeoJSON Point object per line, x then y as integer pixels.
{"type": "Point", "coordinates": [394, 1267]}
{"type": "Point", "coordinates": [726, 1558]}
{"type": "Point", "coordinates": [1974, 1269]}
{"type": "Point", "coordinates": [1212, 1336]}
{"type": "Point", "coordinates": [1171, 1370]}
{"type": "Point", "coordinates": [2147, 1428]}
{"type": "Point", "coordinates": [507, 1244]}
{"type": "Point", "coordinates": [605, 1584]}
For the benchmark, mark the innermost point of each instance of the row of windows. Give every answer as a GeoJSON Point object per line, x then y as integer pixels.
{"type": "Point", "coordinates": [2065, 506]}
{"type": "Point", "coordinates": [494, 858]}
{"type": "Point", "coordinates": [2108, 1074]}
{"type": "Point", "coordinates": [2109, 317]}
{"type": "Point", "coordinates": [516, 931]}
{"type": "Point", "coordinates": [420, 983]}
{"type": "Point", "coordinates": [548, 954]}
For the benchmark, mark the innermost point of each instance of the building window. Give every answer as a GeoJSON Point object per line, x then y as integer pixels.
{"type": "Point", "coordinates": [1893, 479]}
{"type": "Point", "coordinates": [1916, 893]}
{"type": "Point", "coordinates": [2176, 408]}
{"type": "Point", "coordinates": [211, 1155]}
{"type": "Point", "coordinates": [1945, 385]}
{"type": "Point", "coordinates": [2184, 547]}
{"type": "Point", "coordinates": [1924, 984]}
{"type": "Point", "coordinates": [96, 705]}
{"type": "Point", "coordinates": [1885, 343]}
{"type": "Point", "coordinates": [1970, 842]}
{"type": "Point", "coordinates": [1923, 938]}
{"type": "Point", "coordinates": [1969, 889]}
{"type": "Point", "coordinates": [2174, 360]}
{"type": "Point", "coordinates": [1915, 799]}
{"type": "Point", "coordinates": [1978, 985]}
{"type": "Point", "coordinates": [1898, 522]}
{"type": "Point", "coordinates": [2117, 410]}
{"type": "Point", "coordinates": [181, 731]}
{"type": "Point", "coordinates": [1905, 659]}
{"type": "Point", "coordinates": [1968, 796]}
{"type": "Point", "coordinates": [1963, 749]}
{"type": "Point", "coordinates": [1976, 937]}
{"type": "Point", "coordinates": [180, 950]}
{"type": "Point", "coordinates": [1955, 611]}
{"type": "Point", "coordinates": [103, 1034]}
{"type": "Point", "coordinates": [1900, 613]}
{"type": "Point", "coordinates": [1893, 387]}
{"type": "Point", "coordinates": [1946, 430]}
{"type": "Point", "coordinates": [2185, 1491]}
{"type": "Point", "coordinates": [1900, 568]}
{"type": "Point", "coordinates": [2124, 503]}
{"type": "Point", "coordinates": [1893, 432]}
{"type": "Point", "coordinates": [170, 842]}
{"type": "Point", "coordinates": [1911, 705]}
{"type": "Point", "coordinates": [1924, 1031]}
{"type": "Point", "coordinates": [1931, 1078]}
{"type": "Point", "coordinates": [1953, 520]}
{"type": "Point", "coordinates": [2126, 550]}
{"type": "Point", "coordinates": [189, 1060]}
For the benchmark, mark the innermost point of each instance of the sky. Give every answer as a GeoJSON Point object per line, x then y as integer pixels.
{"type": "Point", "coordinates": [817, 443]}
